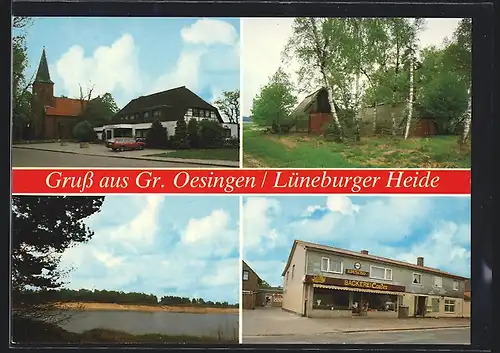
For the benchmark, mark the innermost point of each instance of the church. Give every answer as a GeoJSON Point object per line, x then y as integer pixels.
{"type": "Point", "coordinates": [52, 117]}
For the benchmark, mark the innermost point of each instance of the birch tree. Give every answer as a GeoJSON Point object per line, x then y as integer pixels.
{"type": "Point", "coordinates": [399, 34]}
{"type": "Point", "coordinates": [313, 44]}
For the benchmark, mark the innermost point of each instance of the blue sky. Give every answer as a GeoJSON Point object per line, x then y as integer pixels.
{"type": "Point", "coordinates": [164, 245]}
{"type": "Point", "coordinates": [402, 228]}
{"type": "Point", "coordinates": [129, 57]}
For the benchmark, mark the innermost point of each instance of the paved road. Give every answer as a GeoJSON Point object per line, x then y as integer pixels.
{"type": "Point", "coordinates": [35, 158]}
{"type": "Point", "coordinates": [435, 336]}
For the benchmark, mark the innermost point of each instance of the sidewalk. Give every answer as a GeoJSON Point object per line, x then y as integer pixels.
{"type": "Point", "coordinates": [263, 322]}
{"type": "Point", "coordinates": [102, 151]}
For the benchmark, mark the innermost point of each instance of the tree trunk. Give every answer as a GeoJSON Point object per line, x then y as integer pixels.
{"type": "Point", "coordinates": [393, 117]}
{"type": "Point", "coordinates": [332, 105]}
{"type": "Point", "coordinates": [467, 120]}
{"type": "Point", "coordinates": [410, 95]}
{"type": "Point", "coordinates": [375, 111]}
{"type": "Point", "coordinates": [320, 56]}
{"type": "Point", "coordinates": [357, 135]}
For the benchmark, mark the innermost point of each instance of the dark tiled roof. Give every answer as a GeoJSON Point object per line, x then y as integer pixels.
{"type": "Point", "coordinates": [175, 100]}
{"type": "Point", "coordinates": [43, 75]}
{"type": "Point", "coordinates": [245, 266]}
{"type": "Point", "coordinates": [367, 257]}
{"type": "Point", "coordinates": [306, 103]}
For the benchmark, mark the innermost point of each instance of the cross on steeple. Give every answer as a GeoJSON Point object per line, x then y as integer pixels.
{"type": "Point", "coordinates": [43, 75]}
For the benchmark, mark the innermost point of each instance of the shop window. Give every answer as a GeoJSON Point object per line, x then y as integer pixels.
{"type": "Point", "coordinates": [327, 299]}
{"type": "Point", "coordinates": [417, 278]}
{"type": "Point", "coordinates": [328, 265]}
{"type": "Point", "coordinates": [435, 305]}
{"type": "Point", "coordinates": [438, 282]}
{"type": "Point", "coordinates": [379, 302]}
{"type": "Point", "coordinates": [449, 306]}
{"type": "Point", "coordinates": [245, 275]}
{"type": "Point", "coordinates": [381, 273]}
{"type": "Point", "coordinates": [456, 285]}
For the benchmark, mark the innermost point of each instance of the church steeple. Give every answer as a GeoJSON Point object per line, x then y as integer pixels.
{"type": "Point", "coordinates": [43, 75]}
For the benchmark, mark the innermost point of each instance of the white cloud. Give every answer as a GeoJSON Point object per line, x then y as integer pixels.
{"type": "Point", "coordinates": [402, 228]}
{"type": "Point", "coordinates": [443, 248]}
{"type": "Point", "coordinates": [141, 254]}
{"type": "Point", "coordinates": [211, 235]}
{"type": "Point", "coordinates": [141, 230]}
{"type": "Point", "coordinates": [263, 40]}
{"type": "Point", "coordinates": [257, 215]}
{"type": "Point", "coordinates": [109, 69]}
{"type": "Point", "coordinates": [184, 73]}
{"type": "Point", "coordinates": [341, 204]}
{"type": "Point", "coordinates": [210, 48]}
{"type": "Point", "coordinates": [208, 31]}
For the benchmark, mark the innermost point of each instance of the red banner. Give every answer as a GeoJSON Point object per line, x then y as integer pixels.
{"type": "Point", "coordinates": [241, 181]}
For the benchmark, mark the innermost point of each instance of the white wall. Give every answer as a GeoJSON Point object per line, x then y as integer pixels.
{"type": "Point", "coordinates": [293, 288]}
{"type": "Point", "coordinates": [235, 133]}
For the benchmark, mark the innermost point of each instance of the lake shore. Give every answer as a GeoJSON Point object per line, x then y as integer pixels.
{"type": "Point", "coordinates": [148, 308]}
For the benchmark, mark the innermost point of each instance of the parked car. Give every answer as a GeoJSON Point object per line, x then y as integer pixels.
{"type": "Point", "coordinates": [125, 144]}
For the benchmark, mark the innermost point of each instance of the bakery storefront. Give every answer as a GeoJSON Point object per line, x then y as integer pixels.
{"type": "Point", "coordinates": [336, 297]}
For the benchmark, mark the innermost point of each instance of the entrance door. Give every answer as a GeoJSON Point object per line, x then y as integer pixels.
{"type": "Point", "coordinates": [357, 303]}
{"type": "Point", "coordinates": [420, 306]}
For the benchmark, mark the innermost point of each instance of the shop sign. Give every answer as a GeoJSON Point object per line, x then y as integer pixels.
{"type": "Point", "coordinates": [354, 283]}
{"type": "Point", "coordinates": [355, 272]}
{"type": "Point", "coordinates": [318, 279]}
{"type": "Point", "coordinates": [364, 284]}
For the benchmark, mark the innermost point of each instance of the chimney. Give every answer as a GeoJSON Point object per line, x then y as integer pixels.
{"type": "Point", "coordinates": [420, 261]}
{"type": "Point", "coordinates": [364, 252]}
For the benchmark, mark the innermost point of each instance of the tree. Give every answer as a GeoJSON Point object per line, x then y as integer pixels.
{"type": "Point", "coordinates": [275, 101]}
{"type": "Point", "coordinates": [444, 99]}
{"type": "Point", "coordinates": [413, 48]}
{"type": "Point", "coordinates": [84, 132]}
{"type": "Point", "coordinates": [43, 227]}
{"type": "Point", "coordinates": [314, 44]}
{"type": "Point", "coordinates": [180, 135]}
{"type": "Point", "coordinates": [21, 96]}
{"type": "Point", "coordinates": [157, 136]}
{"type": "Point", "coordinates": [100, 110]}
{"type": "Point", "coordinates": [459, 54]}
{"type": "Point", "coordinates": [193, 134]}
{"type": "Point", "coordinates": [229, 105]}
{"type": "Point", "coordinates": [211, 134]}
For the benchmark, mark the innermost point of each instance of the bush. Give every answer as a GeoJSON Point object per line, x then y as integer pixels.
{"type": "Point", "coordinates": [232, 143]}
{"type": "Point", "coordinates": [193, 135]}
{"type": "Point", "coordinates": [157, 136]}
{"type": "Point", "coordinates": [181, 134]}
{"type": "Point", "coordinates": [211, 134]}
{"type": "Point", "coordinates": [443, 99]}
{"type": "Point", "coordinates": [84, 132]}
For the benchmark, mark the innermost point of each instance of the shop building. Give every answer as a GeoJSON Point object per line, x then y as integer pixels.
{"type": "Point", "coordinates": [323, 281]}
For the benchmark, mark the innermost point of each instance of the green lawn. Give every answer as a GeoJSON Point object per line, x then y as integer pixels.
{"type": "Point", "coordinates": [312, 151]}
{"type": "Point", "coordinates": [222, 154]}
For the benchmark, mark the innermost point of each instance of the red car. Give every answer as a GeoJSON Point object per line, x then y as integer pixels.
{"type": "Point", "coordinates": [125, 144]}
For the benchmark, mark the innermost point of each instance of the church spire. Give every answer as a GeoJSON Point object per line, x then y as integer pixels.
{"type": "Point", "coordinates": [43, 75]}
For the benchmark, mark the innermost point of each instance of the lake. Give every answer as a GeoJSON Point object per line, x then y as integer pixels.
{"type": "Point", "coordinates": [139, 322]}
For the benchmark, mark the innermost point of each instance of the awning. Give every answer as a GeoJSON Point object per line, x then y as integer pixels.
{"type": "Point", "coordinates": [352, 289]}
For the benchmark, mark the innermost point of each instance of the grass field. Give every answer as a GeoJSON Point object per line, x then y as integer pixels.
{"type": "Point", "coordinates": [311, 151]}
{"type": "Point", "coordinates": [221, 154]}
